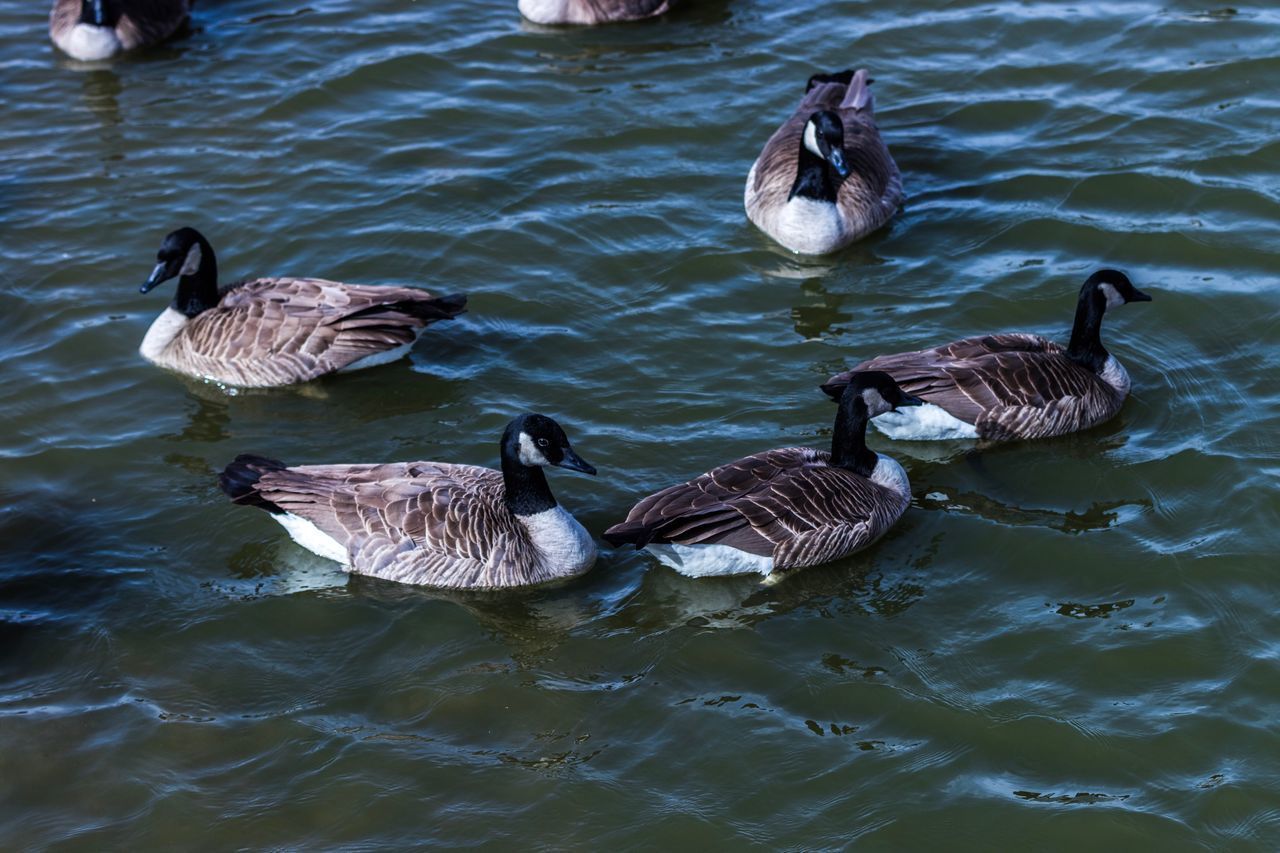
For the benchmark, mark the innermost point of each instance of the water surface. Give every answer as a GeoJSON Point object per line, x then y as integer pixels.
{"type": "Point", "coordinates": [1063, 643]}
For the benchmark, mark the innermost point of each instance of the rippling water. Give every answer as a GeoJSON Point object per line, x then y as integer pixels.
{"type": "Point", "coordinates": [1063, 643]}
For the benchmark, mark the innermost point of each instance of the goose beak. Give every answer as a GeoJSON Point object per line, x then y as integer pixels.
{"type": "Point", "coordinates": [574, 462]}
{"type": "Point", "coordinates": [1139, 296]}
{"type": "Point", "coordinates": [908, 400]}
{"type": "Point", "coordinates": [157, 275]}
{"type": "Point", "coordinates": [837, 161]}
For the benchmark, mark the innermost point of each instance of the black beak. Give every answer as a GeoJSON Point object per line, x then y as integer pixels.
{"type": "Point", "coordinates": [908, 400]}
{"type": "Point", "coordinates": [157, 275]}
{"type": "Point", "coordinates": [836, 158]}
{"type": "Point", "coordinates": [574, 462]}
{"type": "Point", "coordinates": [1139, 296]}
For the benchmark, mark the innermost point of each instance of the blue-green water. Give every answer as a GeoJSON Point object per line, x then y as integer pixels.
{"type": "Point", "coordinates": [1062, 645]}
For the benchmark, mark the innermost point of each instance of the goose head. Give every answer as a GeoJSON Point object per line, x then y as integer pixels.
{"type": "Point", "coordinates": [876, 390]}
{"type": "Point", "coordinates": [1114, 287]}
{"type": "Point", "coordinates": [824, 138]}
{"type": "Point", "coordinates": [184, 252]}
{"type": "Point", "coordinates": [536, 441]}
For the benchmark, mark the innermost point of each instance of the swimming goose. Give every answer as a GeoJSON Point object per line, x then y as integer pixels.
{"type": "Point", "coordinates": [825, 178]}
{"type": "Point", "coordinates": [90, 30]}
{"type": "Point", "coordinates": [432, 523]}
{"type": "Point", "coordinates": [590, 12]}
{"type": "Point", "coordinates": [278, 331]}
{"type": "Point", "coordinates": [784, 508]}
{"type": "Point", "coordinates": [1010, 386]}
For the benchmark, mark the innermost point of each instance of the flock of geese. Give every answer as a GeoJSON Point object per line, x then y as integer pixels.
{"type": "Point", "coordinates": [823, 180]}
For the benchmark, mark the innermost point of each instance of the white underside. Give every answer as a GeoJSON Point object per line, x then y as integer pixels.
{"type": "Point", "coordinates": [89, 43]}
{"type": "Point", "coordinates": [706, 561]}
{"type": "Point", "coordinates": [1114, 374]}
{"type": "Point", "coordinates": [545, 11]}
{"type": "Point", "coordinates": [565, 545]}
{"type": "Point", "coordinates": [802, 225]}
{"type": "Point", "coordinates": [163, 330]}
{"type": "Point", "coordinates": [924, 423]}
{"type": "Point", "coordinates": [311, 537]}
{"type": "Point", "coordinates": [384, 357]}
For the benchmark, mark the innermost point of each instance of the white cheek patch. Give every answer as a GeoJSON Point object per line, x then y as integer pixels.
{"type": "Point", "coordinates": [1113, 296]}
{"type": "Point", "coordinates": [876, 404]}
{"type": "Point", "coordinates": [811, 139]}
{"type": "Point", "coordinates": [192, 263]}
{"type": "Point", "coordinates": [529, 453]}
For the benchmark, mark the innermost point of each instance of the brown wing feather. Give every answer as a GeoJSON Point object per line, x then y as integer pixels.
{"type": "Point", "coordinates": [421, 522]}
{"type": "Point", "coordinates": [1008, 386]}
{"type": "Point", "coordinates": [277, 331]}
{"type": "Point", "coordinates": [789, 503]}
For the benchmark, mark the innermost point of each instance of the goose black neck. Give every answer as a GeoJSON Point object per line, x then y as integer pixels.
{"type": "Point", "coordinates": [95, 12]}
{"type": "Point", "coordinates": [849, 440]}
{"type": "Point", "coordinates": [527, 491]}
{"type": "Point", "coordinates": [815, 178]}
{"type": "Point", "coordinates": [1086, 347]}
{"type": "Point", "coordinates": [198, 291]}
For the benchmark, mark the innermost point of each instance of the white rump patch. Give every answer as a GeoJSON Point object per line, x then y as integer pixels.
{"type": "Point", "coordinates": [705, 561]}
{"type": "Point", "coordinates": [529, 453]}
{"type": "Point", "coordinates": [1114, 374]}
{"type": "Point", "coordinates": [89, 43]}
{"type": "Point", "coordinates": [163, 330]}
{"type": "Point", "coordinates": [192, 263]}
{"type": "Point", "coordinates": [565, 545]}
{"type": "Point", "coordinates": [312, 538]}
{"type": "Point", "coordinates": [811, 139]}
{"type": "Point", "coordinates": [923, 423]}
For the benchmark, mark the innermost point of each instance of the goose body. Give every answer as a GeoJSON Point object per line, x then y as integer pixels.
{"type": "Point", "coordinates": [825, 178]}
{"type": "Point", "coordinates": [279, 331]}
{"type": "Point", "coordinates": [431, 523]}
{"type": "Point", "coordinates": [590, 12]}
{"type": "Point", "coordinates": [1011, 386]}
{"type": "Point", "coordinates": [91, 30]}
{"type": "Point", "coordinates": [783, 508]}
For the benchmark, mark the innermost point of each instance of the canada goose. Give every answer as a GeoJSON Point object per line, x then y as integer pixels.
{"type": "Point", "coordinates": [825, 178]}
{"type": "Point", "coordinates": [590, 12]}
{"type": "Point", "coordinates": [278, 331]}
{"type": "Point", "coordinates": [1012, 385]}
{"type": "Point", "coordinates": [432, 523]}
{"type": "Point", "coordinates": [89, 30]}
{"type": "Point", "coordinates": [784, 508]}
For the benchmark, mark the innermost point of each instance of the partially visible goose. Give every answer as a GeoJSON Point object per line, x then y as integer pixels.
{"type": "Point", "coordinates": [90, 30]}
{"type": "Point", "coordinates": [1010, 386]}
{"type": "Point", "coordinates": [590, 12]}
{"type": "Point", "coordinates": [825, 178]}
{"type": "Point", "coordinates": [432, 523]}
{"type": "Point", "coordinates": [278, 331]}
{"type": "Point", "coordinates": [781, 509]}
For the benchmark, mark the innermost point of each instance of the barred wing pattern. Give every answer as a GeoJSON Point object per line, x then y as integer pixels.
{"type": "Point", "coordinates": [1009, 386]}
{"type": "Point", "coordinates": [871, 194]}
{"type": "Point", "coordinates": [426, 523]}
{"type": "Point", "coordinates": [278, 331]}
{"type": "Point", "coordinates": [789, 503]}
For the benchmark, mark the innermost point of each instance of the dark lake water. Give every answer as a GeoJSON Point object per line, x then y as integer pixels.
{"type": "Point", "coordinates": [1063, 644]}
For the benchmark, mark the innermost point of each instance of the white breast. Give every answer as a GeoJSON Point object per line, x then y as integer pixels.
{"type": "Point", "coordinates": [704, 561]}
{"type": "Point", "coordinates": [565, 545]}
{"type": "Point", "coordinates": [544, 11]}
{"type": "Point", "coordinates": [923, 423]}
{"type": "Point", "coordinates": [890, 474]}
{"type": "Point", "coordinates": [163, 330]}
{"type": "Point", "coordinates": [88, 43]}
{"type": "Point", "coordinates": [1114, 374]}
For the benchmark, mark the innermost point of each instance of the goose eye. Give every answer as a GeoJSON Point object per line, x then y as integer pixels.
{"type": "Point", "coordinates": [542, 442]}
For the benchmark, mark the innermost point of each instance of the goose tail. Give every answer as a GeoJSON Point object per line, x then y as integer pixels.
{"type": "Point", "coordinates": [240, 480]}
{"type": "Point", "coordinates": [635, 533]}
{"type": "Point", "coordinates": [858, 96]}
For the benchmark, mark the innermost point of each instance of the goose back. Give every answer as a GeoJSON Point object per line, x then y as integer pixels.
{"type": "Point", "coordinates": [789, 504]}
{"type": "Point", "coordinates": [279, 331]}
{"type": "Point", "coordinates": [1009, 386]}
{"type": "Point", "coordinates": [425, 523]}
{"type": "Point", "coordinates": [866, 199]}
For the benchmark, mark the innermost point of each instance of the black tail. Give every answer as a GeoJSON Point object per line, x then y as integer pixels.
{"type": "Point", "coordinates": [430, 309]}
{"type": "Point", "coordinates": [844, 78]}
{"type": "Point", "coordinates": [629, 533]}
{"type": "Point", "coordinates": [240, 480]}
